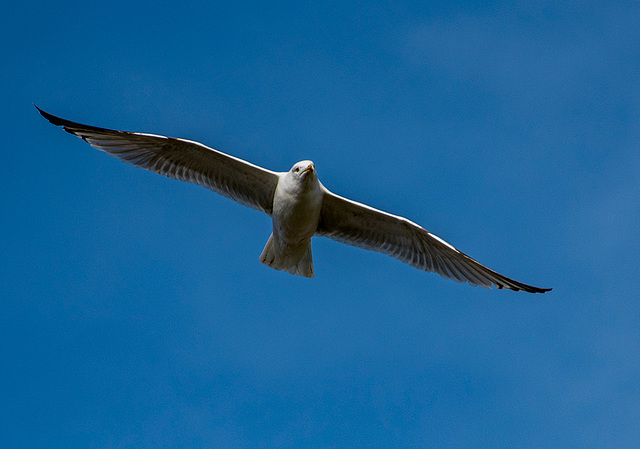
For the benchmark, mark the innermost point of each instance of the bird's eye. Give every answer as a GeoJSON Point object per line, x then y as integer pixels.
{"type": "Point", "coordinates": [297, 169]}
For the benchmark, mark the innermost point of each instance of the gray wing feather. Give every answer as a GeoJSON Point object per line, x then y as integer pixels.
{"type": "Point", "coordinates": [359, 225]}
{"type": "Point", "coordinates": [184, 160]}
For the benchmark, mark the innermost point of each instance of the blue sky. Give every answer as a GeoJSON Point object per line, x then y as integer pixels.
{"type": "Point", "coordinates": [135, 312]}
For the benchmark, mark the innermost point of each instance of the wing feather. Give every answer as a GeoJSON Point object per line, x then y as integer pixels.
{"type": "Point", "coordinates": [359, 225]}
{"type": "Point", "coordinates": [183, 160]}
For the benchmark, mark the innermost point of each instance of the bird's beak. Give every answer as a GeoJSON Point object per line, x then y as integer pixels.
{"type": "Point", "coordinates": [309, 168]}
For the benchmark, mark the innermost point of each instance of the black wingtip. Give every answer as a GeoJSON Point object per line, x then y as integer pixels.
{"type": "Point", "coordinates": [531, 289]}
{"type": "Point", "coordinates": [520, 287]}
{"type": "Point", "coordinates": [73, 127]}
{"type": "Point", "coordinates": [52, 118]}
{"type": "Point", "coordinates": [537, 290]}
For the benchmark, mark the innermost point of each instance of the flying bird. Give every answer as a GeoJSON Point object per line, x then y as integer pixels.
{"type": "Point", "coordinates": [298, 204]}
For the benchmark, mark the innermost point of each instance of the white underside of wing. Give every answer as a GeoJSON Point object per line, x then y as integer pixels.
{"type": "Point", "coordinates": [366, 227]}
{"type": "Point", "coordinates": [182, 159]}
{"type": "Point", "coordinates": [357, 224]}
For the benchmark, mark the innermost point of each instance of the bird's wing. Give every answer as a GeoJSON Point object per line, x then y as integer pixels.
{"type": "Point", "coordinates": [360, 225]}
{"type": "Point", "coordinates": [184, 160]}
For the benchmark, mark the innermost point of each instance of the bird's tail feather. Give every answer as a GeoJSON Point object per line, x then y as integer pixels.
{"type": "Point", "coordinates": [297, 260]}
{"type": "Point", "coordinates": [305, 266]}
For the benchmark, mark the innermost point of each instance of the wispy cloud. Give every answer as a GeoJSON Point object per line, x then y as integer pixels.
{"type": "Point", "coordinates": [534, 51]}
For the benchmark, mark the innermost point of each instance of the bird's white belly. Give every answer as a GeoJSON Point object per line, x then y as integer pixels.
{"type": "Point", "coordinates": [295, 218]}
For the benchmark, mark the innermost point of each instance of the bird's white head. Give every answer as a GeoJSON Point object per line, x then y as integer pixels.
{"type": "Point", "coordinates": [303, 171]}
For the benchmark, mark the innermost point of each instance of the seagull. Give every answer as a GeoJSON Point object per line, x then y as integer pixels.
{"type": "Point", "coordinates": [298, 204]}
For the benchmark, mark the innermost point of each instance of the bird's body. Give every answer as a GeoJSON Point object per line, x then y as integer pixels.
{"type": "Point", "coordinates": [299, 205]}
